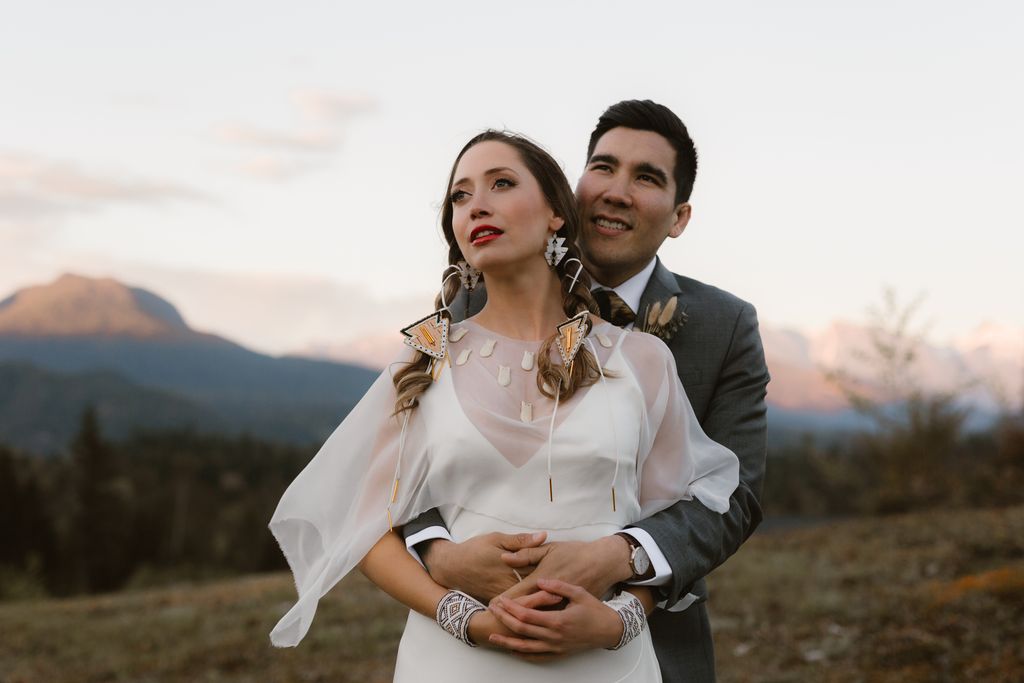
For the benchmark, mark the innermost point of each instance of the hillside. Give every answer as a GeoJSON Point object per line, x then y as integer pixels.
{"type": "Point", "coordinates": [78, 326]}
{"type": "Point", "coordinates": [76, 305]}
{"type": "Point", "coordinates": [40, 410]}
{"type": "Point", "coordinates": [912, 599]}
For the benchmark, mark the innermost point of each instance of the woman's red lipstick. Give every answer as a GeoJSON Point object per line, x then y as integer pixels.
{"type": "Point", "coordinates": [484, 233]}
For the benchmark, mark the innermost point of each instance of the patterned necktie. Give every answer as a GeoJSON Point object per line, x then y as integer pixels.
{"type": "Point", "coordinates": [613, 308]}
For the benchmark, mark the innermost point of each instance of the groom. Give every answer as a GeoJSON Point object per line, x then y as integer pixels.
{"type": "Point", "coordinates": [634, 193]}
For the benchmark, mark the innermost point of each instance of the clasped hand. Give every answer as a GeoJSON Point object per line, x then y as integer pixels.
{"type": "Point", "coordinates": [553, 611]}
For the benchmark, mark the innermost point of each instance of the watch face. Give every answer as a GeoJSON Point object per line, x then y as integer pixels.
{"type": "Point", "coordinates": [641, 561]}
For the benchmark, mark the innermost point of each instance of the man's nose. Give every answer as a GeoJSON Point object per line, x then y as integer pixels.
{"type": "Point", "coordinates": [617, 191]}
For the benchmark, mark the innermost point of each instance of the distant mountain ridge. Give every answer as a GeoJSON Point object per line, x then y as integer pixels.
{"type": "Point", "coordinates": [985, 368]}
{"type": "Point", "coordinates": [75, 327]}
{"type": "Point", "coordinates": [74, 305]}
{"type": "Point", "coordinates": [81, 325]}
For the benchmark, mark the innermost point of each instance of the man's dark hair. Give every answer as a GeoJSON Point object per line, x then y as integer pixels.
{"type": "Point", "coordinates": [657, 118]}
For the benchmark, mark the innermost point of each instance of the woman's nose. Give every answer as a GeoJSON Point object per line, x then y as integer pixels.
{"type": "Point", "coordinates": [478, 210]}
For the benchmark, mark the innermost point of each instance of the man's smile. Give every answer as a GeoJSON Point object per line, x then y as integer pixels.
{"type": "Point", "coordinates": [610, 226]}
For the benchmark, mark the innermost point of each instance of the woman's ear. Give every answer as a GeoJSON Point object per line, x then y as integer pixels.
{"type": "Point", "coordinates": [556, 223]}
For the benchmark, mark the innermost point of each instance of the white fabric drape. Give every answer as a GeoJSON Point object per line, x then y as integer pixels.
{"type": "Point", "coordinates": [468, 448]}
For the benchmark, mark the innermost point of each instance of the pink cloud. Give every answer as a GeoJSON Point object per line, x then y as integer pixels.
{"type": "Point", "coordinates": [273, 168]}
{"type": "Point", "coordinates": [318, 140]}
{"type": "Point", "coordinates": [286, 154]}
{"type": "Point", "coordinates": [31, 187]}
{"type": "Point", "coordinates": [326, 105]}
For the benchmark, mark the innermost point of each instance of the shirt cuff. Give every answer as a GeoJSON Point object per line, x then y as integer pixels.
{"type": "Point", "coordinates": [682, 604]}
{"type": "Point", "coordinates": [662, 570]}
{"type": "Point", "coordinates": [431, 533]}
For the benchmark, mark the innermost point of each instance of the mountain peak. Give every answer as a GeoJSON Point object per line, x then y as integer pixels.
{"type": "Point", "coordinates": [74, 305]}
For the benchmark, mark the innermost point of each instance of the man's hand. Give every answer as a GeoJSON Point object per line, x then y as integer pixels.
{"type": "Point", "coordinates": [475, 566]}
{"type": "Point", "coordinates": [595, 566]}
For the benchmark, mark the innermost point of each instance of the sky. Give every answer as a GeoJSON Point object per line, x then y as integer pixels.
{"type": "Point", "coordinates": [275, 169]}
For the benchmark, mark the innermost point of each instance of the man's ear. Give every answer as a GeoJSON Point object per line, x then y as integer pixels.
{"type": "Point", "coordinates": [682, 217]}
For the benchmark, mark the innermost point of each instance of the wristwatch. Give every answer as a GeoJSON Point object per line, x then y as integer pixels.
{"type": "Point", "coordinates": [639, 560]}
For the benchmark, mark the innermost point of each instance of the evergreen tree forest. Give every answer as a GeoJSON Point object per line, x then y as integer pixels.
{"type": "Point", "coordinates": [151, 509]}
{"type": "Point", "coordinates": [163, 507]}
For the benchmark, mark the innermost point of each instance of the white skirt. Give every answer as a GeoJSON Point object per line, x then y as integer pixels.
{"type": "Point", "coordinates": [428, 654]}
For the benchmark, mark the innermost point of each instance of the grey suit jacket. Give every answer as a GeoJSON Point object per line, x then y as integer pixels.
{"type": "Point", "coordinates": [721, 364]}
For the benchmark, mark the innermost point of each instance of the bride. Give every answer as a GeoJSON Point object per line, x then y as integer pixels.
{"type": "Point", "coordinates": [533, 415]}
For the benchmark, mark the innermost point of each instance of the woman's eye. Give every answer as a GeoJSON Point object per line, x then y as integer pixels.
{"type": "Point", "coordinates": [504, 182]}
{"type": "Point", "coordinates": [458, 196]}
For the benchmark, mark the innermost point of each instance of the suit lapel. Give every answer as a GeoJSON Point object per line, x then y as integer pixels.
{"type": "Point", "coordinates": [660, 287]}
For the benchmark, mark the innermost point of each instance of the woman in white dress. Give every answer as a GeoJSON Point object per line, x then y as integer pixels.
{"type": "Point", "coordinates": [514, 420]}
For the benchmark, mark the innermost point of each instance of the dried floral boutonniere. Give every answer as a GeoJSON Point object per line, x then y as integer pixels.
{"type": "Point", "coordinates": [663, 319]}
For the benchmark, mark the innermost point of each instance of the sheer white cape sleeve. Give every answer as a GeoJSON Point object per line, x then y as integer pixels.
{"type": "Point", "coordinates": [676, 459]}
{"type": "Point", "coordinates": [336, 509]}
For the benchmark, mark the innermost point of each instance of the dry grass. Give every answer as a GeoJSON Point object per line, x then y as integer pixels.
{"type": "Point", "coordinates": [927, 597]}
{"type": "Point", "coordinates": [923, 597]}
{"type": "Point", "coordinates": [213, 632]}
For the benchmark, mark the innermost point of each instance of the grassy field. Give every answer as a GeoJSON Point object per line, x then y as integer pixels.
{"type": "Point", "coordinates": [927, 597]}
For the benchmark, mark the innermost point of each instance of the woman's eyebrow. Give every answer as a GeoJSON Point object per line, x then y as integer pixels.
{"type": "Point", "coordinates": [499, 169]}
{"type": "Point", "coordinates": [492, 171]}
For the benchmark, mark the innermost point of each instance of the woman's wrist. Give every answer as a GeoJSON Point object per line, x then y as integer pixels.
{"type": "Point", "coordinates": [455, 612]}
{"type": "Point", "coordinates": [646, 596]}
{"type": "Point", "coordinates": [632, 616]}
{"type": "Point", "coordinates": [481, 625]}
{"type": "Point", "coordinates": [611, 628]}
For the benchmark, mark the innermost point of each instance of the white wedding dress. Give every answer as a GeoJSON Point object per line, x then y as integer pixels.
{"type": "Point", "coordinates": [481, 447]}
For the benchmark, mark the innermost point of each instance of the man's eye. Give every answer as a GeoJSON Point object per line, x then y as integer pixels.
{"type": "Point", "coordinates": [601, 167]}
{"type": "Point", "coordinates": [647, 178]}
{"type": "Point", "coordinates": [458, 196]}
{"type": "Point", "coordinates": [504, 182]}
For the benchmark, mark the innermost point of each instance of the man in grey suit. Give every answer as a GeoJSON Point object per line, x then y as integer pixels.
{"type": "Point", "coordinates": [634, 193]}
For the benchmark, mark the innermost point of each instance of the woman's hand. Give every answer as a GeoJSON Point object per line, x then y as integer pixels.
{"type": "Point", "coordinates": [586, 623]}
{"type": "Point", "coordinates": [482, 625]}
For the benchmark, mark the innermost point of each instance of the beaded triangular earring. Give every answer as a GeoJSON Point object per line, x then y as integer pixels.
{"type": "Point", "coordinates": [555, 251]}
{"type": "Point", "coordinates": [570, 336]}
{"type": "Point", "coordinates": [429, 335]}
{"type": "Point", "coordinates": [468, 275]}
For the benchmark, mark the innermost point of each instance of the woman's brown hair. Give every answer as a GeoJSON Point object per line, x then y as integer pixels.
{"type": "Point", "coordinates": [414, 378]}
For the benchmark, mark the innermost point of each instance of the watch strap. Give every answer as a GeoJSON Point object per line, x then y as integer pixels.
{"type": "Point", "coordinates": [634, 546]}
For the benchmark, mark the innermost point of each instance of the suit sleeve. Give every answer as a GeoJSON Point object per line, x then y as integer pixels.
{"type": "Point", "coordinates": [693, 538]}
{"type": "Point", "coordinates": [430, 518]}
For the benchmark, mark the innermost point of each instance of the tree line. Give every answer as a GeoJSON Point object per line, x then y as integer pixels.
{"type": "Point", "coordinates": [151, 508]}
{"type": "Point", "coordinates": [926, 460]}
{"type": "Point", "coordinates": [163, 507]}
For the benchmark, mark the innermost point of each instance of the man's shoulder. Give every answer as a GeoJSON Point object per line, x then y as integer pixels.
{"type": "Point", "coordinates": [697, 292]}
